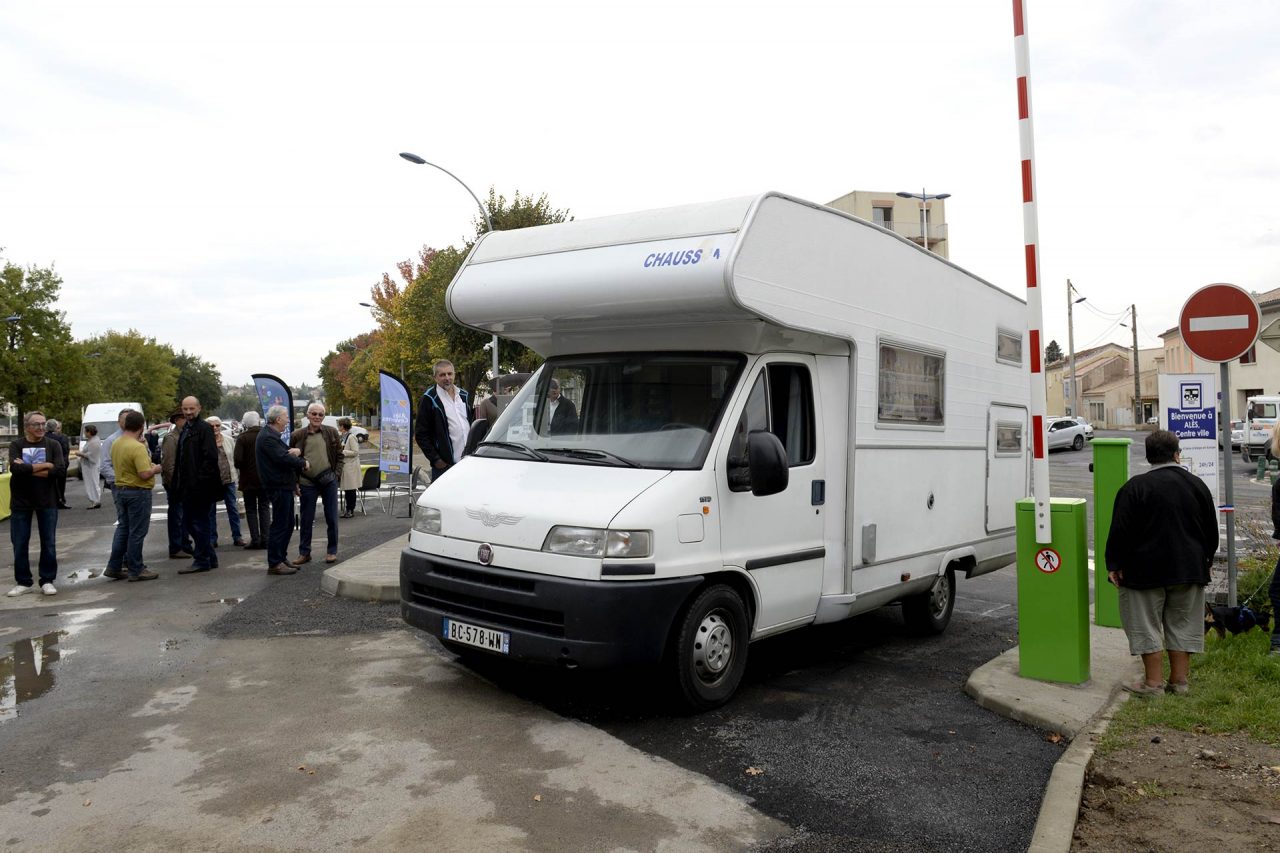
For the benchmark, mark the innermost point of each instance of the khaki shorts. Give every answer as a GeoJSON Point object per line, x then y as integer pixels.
{"type": "Point", "coordinates": [1169, 617]}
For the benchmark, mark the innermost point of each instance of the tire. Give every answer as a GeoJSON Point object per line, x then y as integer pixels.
{"type": "Point", "coordinates": [1245, 456]}
{"type": "Point", "coordinates": [930, 611]}
{"type": "Point", "coordinates": [1078, 444]}
{"type": "Point", "coordinates": [709, 652]}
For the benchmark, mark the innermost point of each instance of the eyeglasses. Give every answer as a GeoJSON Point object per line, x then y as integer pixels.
{"type": "Point", "coordinates": [40, 425]}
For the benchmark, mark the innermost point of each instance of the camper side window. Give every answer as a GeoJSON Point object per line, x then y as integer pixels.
{"type": "Point", "coordinates": [910, 387]}
{"type": "Point", "coordinates": [781, 401]}
{"type": "Point", "coordinates": [1009, 347]}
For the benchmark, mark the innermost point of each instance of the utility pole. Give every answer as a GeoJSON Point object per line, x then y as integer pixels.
{"type": "Point", "coordinates": [1137, 381]}
{"type": "Point", "coordinates": [1071, 352]}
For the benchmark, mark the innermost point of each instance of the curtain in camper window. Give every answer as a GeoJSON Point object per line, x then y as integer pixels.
{"type": "Point", "coordinates": [910, 386]}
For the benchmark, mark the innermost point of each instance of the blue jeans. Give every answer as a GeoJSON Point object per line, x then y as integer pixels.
{"type": "Point", "coordinates": [179, 535]}
{"type": "Point", "coordinates": [233, 513]}
{"type": "Point", "coordinates": [133, 520]}
{"type": "Point", "coordinates": [196, 513]}
{"type": "Point", "coordinates": [20, 535]}
{"type": "Point", "coordinates": [281, 525]}
{"type": "Point", "coordinates": [329, 499]}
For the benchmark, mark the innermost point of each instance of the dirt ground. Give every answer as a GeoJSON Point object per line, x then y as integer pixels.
{"type": "Point", "coordinates": [1179, 791]}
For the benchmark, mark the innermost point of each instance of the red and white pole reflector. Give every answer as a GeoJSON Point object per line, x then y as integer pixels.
{"type": "Point", "coordinates": [1035, 313]}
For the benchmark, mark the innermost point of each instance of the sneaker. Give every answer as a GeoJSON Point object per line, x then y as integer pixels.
{"type": "Point", "coordinates": [48, 589]}
{"type": "Point", "coordinates": [1179, 688]}
{"type": "Point", "coordinates": [1141, 688]}
{"type": "Point", "coordinates": [115, 574]}
{"type": "Point", "coordinates": [144, 575]}
{"type": "Point", "coordinates": [20, 590]}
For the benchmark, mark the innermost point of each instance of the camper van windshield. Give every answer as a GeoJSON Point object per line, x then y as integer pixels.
{"type": "Point", "coordinates": [648, 410]}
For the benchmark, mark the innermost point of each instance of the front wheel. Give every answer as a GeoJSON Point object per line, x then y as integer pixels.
{"type": "Point", "coordinates": [1245, 456]}
{"type": "Point", "coordinates": [1078, 444]}
{"type": "Point", "coordinates": [710, 649]}
{"type": "Point", "coordinates": [930, 611]}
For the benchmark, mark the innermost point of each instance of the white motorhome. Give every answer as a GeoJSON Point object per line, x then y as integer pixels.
{"type": "Point", "coordinates": [1260, 414]}
{"type": "Point", "coordinates": [105, 416]}
{"type": "Point", "coordinates": [771, 415]}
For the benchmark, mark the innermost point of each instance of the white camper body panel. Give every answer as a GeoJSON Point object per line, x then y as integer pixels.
{"type": "Point", "coordinates": [896, 499]}
{"type": "Point", "coordinates": [105, 416]}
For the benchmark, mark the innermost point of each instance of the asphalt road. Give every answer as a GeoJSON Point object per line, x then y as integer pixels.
{"type": "Point", "coordinates": [197, 698]}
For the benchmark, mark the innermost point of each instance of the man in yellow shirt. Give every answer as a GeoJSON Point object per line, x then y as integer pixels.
{"type": "Point", "coordinates": [135, 477]}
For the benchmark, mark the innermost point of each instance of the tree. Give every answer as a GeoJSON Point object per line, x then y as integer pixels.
{"type": "Point", "coordinates": [199, 379]}
{"type": "Point", "coordinates": [40, 367]}
{"type": "Point", "coordinates": [1052, 353]}
{"type": "Point", "coordinates": [235, 402]}
{"type": "Point", "coordinates": [127, 367]}
{"type": "Point", "coordinates": [419, 330]}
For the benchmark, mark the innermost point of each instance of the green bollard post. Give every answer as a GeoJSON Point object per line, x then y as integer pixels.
{"type": "Point", "coordinates": [1110, 472]}
{"type": "Point", "coordinates": [1053, 594]}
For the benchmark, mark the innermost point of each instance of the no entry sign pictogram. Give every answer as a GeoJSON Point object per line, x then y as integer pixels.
{"type": "Point", "coordinates": [1220, 322]}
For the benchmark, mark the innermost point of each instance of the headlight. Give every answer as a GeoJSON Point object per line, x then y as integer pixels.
{"type": "Point", "coordinates": [578, 541]}
{"type": "Point", "coordinates": [593, 542]}
{"type": "Point", "coordinates": [629, 543]}
{"type": "Point", "coordinates": [426, 519]}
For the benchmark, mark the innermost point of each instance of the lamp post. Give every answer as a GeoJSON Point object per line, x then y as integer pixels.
{"type": "Point", "coordinates": [488, 222]}
{"type": "Point", "coordinates": [1137, 378]}
{"type": "Point", "coordinates": [925, 198]}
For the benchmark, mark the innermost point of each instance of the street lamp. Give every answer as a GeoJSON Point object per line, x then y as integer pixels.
{"type": "Point", "coordinates": [1071, 344]}
{"type": "Point", "coordinates": [925, 198]}
{"type": "Point", "coordinates": [418, 161]}
{"type": "Point", "coordinates": [12, 320]}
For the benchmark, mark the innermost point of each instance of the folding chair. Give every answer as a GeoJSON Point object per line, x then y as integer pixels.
{"type": "Point", "coordinates": [418, 481]}
{"type": "Point", "coordinates": [370, 482]}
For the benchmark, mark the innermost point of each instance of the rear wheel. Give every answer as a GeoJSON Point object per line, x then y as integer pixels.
{"type": "Point", "coordinates": [1245, 456]}
{"type": "Point", "coordinates": [1078, 444]}
{"type": "Point", "coordinates": [930, 611]}
{"type": "Point", "coordinates": [710, 650]}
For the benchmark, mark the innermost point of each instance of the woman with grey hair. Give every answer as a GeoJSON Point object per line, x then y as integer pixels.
{"type": "Point", "coordinates": [257, 509]}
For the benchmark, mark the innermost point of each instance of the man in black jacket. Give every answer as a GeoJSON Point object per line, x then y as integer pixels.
{"type": "Point", "coordinates": [278, 470]}
{"type": "Point", "coordinates": [1164, 532]}
{"type": "Point", "coordinates": [444, 419]}
{"type": "Point", "coordinates": [198, 484]}
{"type": "Point", "coordinates": [54, 431]}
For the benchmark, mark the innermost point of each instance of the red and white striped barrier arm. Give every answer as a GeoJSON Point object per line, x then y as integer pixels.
{"type": "Point", "coordinates": [1035, 313]}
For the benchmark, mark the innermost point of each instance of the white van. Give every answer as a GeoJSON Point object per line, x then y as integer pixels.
{"type": "Point", "coordinates": [1260, 415]}
{"type": "Point", "coordinates": [105, 416]}
{"type": "Point", "coordinates": [771, 415]}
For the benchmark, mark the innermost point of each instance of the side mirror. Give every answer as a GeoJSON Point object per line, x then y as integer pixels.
{"type": "Point", "coordinates": [475, 435]}
{"type": "Point", "coordinates": [767, 460]}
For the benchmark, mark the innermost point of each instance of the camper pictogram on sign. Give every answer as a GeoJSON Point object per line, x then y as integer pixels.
{"type": "Point", "coordinates": [1048, 560]}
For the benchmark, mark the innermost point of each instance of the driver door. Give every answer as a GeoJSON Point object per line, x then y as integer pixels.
{"type": "Point", "coordinates": [777, 539]}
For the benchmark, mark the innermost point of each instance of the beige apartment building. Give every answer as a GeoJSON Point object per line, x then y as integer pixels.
{"type": "Point", "coordinates": [1105, 376]}
{"type": "Point", "coordinates": [903, 216]}
{"type": "Point", "coordinates": [1256, 372]}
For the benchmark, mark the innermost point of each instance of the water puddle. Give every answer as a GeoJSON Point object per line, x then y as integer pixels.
{"type": "Point", "coordinates": [28, 671]}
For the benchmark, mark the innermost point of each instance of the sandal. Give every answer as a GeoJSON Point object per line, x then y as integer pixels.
{"type": "Point", "coordinates": [1141, 688]}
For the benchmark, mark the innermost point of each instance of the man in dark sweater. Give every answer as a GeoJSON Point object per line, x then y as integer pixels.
{"type": "Point", "coordinates": [198, 483]}
{"type": "Point", "coordinates": [36, 462]}
{"type": "Point", "coordinates": [1164, 532]}
{"type": "Point", "coordinates": [278, 470]}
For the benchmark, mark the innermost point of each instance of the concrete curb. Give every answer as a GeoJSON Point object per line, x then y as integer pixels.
{"type": "Point", "coordinates": [372, 576]}
{"type": "Point", "coordinates": [1056, 825]}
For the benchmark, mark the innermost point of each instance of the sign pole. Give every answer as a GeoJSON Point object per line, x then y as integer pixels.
{"type": "Point", "coordinates": [1229, 506]}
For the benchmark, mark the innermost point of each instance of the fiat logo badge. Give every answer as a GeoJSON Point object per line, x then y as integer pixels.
{"type": "Point", "coordinates": [485, 554]}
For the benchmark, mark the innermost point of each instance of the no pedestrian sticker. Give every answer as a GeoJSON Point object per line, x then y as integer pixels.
{"type": "Point", "coordinates": [1048, 560]}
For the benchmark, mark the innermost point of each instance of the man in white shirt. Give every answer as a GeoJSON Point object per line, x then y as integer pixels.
{"type": "Point", "coordinates": [444, 419]}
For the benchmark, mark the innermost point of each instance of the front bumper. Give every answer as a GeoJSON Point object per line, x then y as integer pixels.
{"type": "Point", "coordinates": [550, 619]}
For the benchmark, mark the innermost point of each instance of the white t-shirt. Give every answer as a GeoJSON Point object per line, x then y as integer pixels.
{"type": "Point", "coordinates": [455, 415]}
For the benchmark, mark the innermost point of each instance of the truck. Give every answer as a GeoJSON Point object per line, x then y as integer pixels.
{"type": "Point", "coordinates": [105, 416]}
{"type": "Point", "coordinates": [1260, 414]}
{"type": "Point", "coordinates": [775, 415]}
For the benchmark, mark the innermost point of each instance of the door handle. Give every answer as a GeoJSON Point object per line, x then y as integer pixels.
{"type": "Point", "coordinates": [818, 492]}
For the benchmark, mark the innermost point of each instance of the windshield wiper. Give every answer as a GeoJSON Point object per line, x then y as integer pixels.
{"type": "Point", "coordinates": [511, 445]}
{"type": "Point", "coordinates": [579, 453]}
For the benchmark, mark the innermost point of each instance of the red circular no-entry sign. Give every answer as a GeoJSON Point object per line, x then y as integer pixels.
{"type": "Point", "coordinates": [1220, 322]}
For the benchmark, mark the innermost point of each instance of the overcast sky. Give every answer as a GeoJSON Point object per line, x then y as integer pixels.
{"type": "Point", "coordinates": [223, 176]}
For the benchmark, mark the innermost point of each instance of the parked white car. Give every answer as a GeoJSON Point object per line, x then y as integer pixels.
{"type": "Point", "coordinates": [362, 434]}
{"type": "Point", "coordinates": [1066, 432]}
{"type": "Point", "coordinates": [1237, 435]}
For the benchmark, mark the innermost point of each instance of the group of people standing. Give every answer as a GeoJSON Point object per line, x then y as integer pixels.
{"type": "Point", "coordinates": [199, 467]}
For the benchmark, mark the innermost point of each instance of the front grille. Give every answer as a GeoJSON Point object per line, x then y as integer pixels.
{"type": "Point", "coordinates": [484, 578]}
{"type": "Point", "coordinates": [536, 620]}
